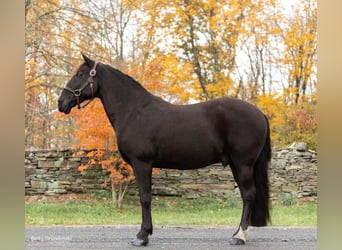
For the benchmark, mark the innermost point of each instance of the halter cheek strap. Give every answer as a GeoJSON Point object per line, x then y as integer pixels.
{"type": "Point", "coordinates": [77, 92]}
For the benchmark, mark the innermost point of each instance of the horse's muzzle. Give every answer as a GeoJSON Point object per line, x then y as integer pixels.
{"type": "Point", "coordinates": [64, 106]}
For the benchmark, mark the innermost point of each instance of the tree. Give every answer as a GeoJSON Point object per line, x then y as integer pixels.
{"type": "Point", "coordinates": [256, 67]}
{"type": "Point", "coordinates": [121, 174]}
{"type": "Point", "coordinates": [208, 32]}
{"type": "Point", "coordinates": [182, 50]}
{"type": "Point", "coordinates": [300, 39]}
{"type": "Point", "coordinates": [47, 61]}
{"type": "Point", "coordinates": [96, 136]}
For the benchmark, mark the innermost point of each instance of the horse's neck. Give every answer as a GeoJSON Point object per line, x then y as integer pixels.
{"type": "Point", "coordinates": [122, 99]}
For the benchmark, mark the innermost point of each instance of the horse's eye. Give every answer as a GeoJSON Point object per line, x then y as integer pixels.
{"type": "Point", "coordinates": [79, 74]}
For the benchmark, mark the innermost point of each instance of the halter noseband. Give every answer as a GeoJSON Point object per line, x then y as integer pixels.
{"type": "Point", "coordinates": [78, 92]}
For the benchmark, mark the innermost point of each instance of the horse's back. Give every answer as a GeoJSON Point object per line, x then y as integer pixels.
{"type": "Point", "coordinates": [232, 116]}
{"type": "Point", "coordinates": [193, 136]}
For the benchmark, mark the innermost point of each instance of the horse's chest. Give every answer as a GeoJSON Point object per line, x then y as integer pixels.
{"type": "Point", "coordinates": [135, 145]}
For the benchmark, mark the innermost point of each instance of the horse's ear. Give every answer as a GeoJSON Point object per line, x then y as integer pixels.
{"type": "Point", "coordinates": [87, 60]}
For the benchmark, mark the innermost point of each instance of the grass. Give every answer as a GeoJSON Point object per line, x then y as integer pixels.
{"type": "Point", "coordinates": [165, 211]}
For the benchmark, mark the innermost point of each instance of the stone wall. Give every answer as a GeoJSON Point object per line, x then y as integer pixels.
{"type": "Point", "coordinates": [293, 171]}
{"type": "Point", "coordinates": [56, 172]}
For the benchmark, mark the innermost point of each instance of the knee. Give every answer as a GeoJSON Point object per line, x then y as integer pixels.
{"type": "Point", "coordinates": [146, 200]}
{"type": "Point", "coordinates": [248, 195]}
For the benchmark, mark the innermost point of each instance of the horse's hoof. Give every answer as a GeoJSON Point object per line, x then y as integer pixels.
{"type": "Point", "coordinates": [236, 241]}
{"type": "Point", "coordinates": [139, 242]}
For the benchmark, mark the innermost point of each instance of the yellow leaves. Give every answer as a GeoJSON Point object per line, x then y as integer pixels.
{"type": "Point", "coordinates": [274, 109]}
{"type": "Point", "coordinates": [31, 68]}
{"type": "Point", "coordinates": [220, 88]}
{"type": "Point", "coordinates": [289, 122]}
{"type": "Point", "coordinates": [271, 105]}
{"type": "Point", "coordinates": [175, 48]}
{"type": "Point", "coordinates": [166, 76]}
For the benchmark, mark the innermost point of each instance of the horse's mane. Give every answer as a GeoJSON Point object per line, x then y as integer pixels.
{"type": "Point", "coordinates": [120, 73]}
{"type": "Point", "coordinates": [115, 71]}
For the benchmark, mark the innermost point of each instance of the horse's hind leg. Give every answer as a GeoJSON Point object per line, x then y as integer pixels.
{"type": "Point", "coordinates": [143, 174]}
{"type": "Point", "coordinates": [244, 178]}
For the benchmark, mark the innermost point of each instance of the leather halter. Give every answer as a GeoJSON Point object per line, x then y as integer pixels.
{"type": "Point", "coordinates": [90, 82]}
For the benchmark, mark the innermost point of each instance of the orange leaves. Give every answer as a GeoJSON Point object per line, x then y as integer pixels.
{"type": "Point", "coordinates": [96, 154]}
{"type": "Point", "coordinates": [182, 51]}
{"type": "Point", "coordinates": [94, 129]}
{"type": "Point", "coordinates": [82, 168]}
{"type": "Point", "coordinates": [79, 153]}
{"type": "Point", "coordinates": [119, 170]}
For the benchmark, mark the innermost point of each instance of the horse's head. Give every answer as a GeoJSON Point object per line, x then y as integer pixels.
{"type": "Point", "coordinates": [82, 86]}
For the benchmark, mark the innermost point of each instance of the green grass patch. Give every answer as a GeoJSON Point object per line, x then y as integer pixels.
{"type": "Point", "coordinates": [165, 211]}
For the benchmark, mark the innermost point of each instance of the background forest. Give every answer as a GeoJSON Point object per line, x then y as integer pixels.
{"type": "Point", "coordinates": [185, 51]}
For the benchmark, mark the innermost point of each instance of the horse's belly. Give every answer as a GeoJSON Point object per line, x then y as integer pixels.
{"type": "Point", "coordinates": [188, 143]}
{"type": "Point", "coordinates": [183, 165]}
{"type": "Point", "coordinates": [187, 158]}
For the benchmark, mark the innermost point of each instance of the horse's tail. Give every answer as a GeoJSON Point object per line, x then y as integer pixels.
{"type": "Point", "coordinates": [260, 213]}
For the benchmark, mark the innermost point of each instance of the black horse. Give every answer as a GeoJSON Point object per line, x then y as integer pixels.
{"type": "Point", "coordinates": [153, 133]}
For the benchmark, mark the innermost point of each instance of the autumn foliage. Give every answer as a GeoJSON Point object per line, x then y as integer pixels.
{"type": "Point", "coordinates": [290, 123]}
{"type": "Point", "coordinates": [120, 172]}
{"type": "Point", "coordinates": [184, 51]}
{"type": "Point", "coordinates": [96, 136]}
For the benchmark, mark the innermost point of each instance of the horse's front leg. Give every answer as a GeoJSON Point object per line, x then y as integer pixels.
{"type": "Point", "coordinates": [143, 175]}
